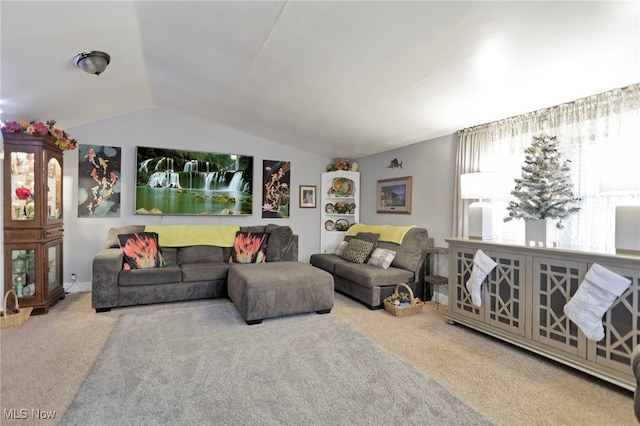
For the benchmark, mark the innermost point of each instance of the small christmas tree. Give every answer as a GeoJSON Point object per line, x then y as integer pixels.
{"type": "Point", "coordinates": [545, 190]}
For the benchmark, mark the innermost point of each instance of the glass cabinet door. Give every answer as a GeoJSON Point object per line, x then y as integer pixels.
{"type": "Point", "coordinates": [54, 266]}
{"type": "Point", "coordinates": [54, 189]}
{"type": "Point", "coordinates": [23, 166]}
{"type": "Point", "coordinates": [23, 272]}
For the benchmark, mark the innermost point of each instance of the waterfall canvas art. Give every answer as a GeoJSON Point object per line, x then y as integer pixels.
{"type": "Point", "coordinates": [175, 182]}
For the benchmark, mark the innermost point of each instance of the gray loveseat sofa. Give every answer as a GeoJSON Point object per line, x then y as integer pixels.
{"type": "Point", "coordinates": [371, 284]}
{"type": "Point", "coordinates": [191, 272]}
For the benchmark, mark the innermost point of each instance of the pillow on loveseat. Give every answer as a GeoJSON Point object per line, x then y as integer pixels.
{"type": "Point", "coordinates": [249, 248]}
{"type": "Point", "coordinates": [368, 236]}
{"type": "Point", "coordinates": [372, 238]}
{"type": "Point", "coordinates": [340, 248]}
{"type": "Point", "coordinates": [140, 250]}
{"type": "Point", "coordinates": [357, 250]}
{"type": "Point", "coordinates": [381, 258]}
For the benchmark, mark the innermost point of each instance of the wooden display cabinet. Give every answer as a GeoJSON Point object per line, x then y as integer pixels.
{"type": "Point", "coordinates": [33, 227]}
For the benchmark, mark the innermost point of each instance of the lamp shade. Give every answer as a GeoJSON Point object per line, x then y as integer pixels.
{"type": "Point", "coordinates": [622, 180]}
{"type": "Point", "coordinates": [481, 185]}
{"type": "Point", "coordinates": [619, 175]}
{"type": "Point", "coordinates": [619, 170]}
{"type": "Point", "coordinates": [484, 185]}
{"type": "Point", "coordinates": [94, 62]}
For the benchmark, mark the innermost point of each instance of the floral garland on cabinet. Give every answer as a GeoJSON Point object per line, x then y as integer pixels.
{"type": "Point", "coordinates": [63, 141]}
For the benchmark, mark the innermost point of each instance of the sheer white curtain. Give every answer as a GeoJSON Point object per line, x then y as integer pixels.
{"type": "Point", "coordinates": [467, 161]}
{"type": "Point", "coordinates": [592, 132]}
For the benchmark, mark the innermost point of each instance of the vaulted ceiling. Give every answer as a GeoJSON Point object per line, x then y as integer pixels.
{"type": "Point", "coordinates": [335, 78]}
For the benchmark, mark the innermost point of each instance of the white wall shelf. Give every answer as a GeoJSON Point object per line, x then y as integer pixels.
{"type": "Point", "coordinates": [340, 207]}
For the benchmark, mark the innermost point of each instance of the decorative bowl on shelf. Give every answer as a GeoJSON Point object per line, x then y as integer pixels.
{"type": "Point", "coordinates": [342, 225]}
{"type": "Point", "coordinates": [341, 207]}
{"type": "Point", "coordinates": [341, 187]}
{"type": "Point", "coordinates": [328, 225]}
{"type": "Point", "coordinates": [330, 208]}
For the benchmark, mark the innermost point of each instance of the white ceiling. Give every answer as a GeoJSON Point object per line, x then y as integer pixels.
{"type": "Point", "coordinates": [334, 78]}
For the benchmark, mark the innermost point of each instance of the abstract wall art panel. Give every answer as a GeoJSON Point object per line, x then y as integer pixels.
{"type": "Point", "coordinates": [276, 189]}
{"type": "Point", "coordinates": [99, 181]}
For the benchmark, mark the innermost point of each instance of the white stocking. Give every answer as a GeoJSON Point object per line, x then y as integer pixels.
{"type": "Point", "coordinates": [595, 295]}
{"type": "Point", "coordinates": [482, 265]}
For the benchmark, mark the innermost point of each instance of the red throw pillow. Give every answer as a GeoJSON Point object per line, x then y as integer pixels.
{"type": "Point", "coordinates": [140, 250]}
{"type": "Point", "coordinates": [249, 247]}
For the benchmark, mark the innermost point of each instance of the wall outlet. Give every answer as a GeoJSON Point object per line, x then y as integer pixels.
{"type": "Point", "coordinates": [73, 277]}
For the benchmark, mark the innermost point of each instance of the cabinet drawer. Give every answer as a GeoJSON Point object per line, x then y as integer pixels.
{"type": "Point", "coordinates": [53, 232]}
{"type": "Point", "coordinates": [18, 235]}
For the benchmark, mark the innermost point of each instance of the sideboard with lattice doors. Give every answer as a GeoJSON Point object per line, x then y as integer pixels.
{"type": "Point", "coordinates": [523, 297]}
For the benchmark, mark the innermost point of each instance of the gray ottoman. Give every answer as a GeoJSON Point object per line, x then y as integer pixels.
{"type": "Point", "coordinates": [269, 290]}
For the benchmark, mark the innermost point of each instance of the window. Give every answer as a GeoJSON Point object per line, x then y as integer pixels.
{"type": "Point", "coordinates": [599, 134]}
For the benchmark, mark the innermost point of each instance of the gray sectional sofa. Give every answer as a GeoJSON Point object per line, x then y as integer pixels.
{"type": "Point", "coordinates": [191, 272]}
{"type": "Point", "coordinates": [370, 284]}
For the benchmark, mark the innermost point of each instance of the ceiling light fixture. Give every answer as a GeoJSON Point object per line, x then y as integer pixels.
{"type": "Point", "coordinates": [94, 62]}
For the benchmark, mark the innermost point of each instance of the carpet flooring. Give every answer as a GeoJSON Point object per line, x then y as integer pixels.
{"type": "Point", "coordinates": [204, 365]}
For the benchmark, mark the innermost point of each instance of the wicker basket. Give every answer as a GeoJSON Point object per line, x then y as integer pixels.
{"type": "Point", "coordinates": [402, 311]}
{"type": "Point", "coordinates": [10, 319]}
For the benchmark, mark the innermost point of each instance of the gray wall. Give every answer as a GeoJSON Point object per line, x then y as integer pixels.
{"type": "Point", "coordinates": [84, 237]}
{"type": "Point", "coordinates": [430, 163]}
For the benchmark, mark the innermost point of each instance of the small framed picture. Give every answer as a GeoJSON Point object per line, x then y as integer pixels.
{"type": "Point", "coordinates": [394, 195]}
{"type": "Point", "coordinates": [307, 196]}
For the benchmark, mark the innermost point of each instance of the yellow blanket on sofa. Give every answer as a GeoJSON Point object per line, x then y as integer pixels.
{"type": "Point", "coordinates": [193, 235]}
{"type": "Point", "coordinates": [391, 233]}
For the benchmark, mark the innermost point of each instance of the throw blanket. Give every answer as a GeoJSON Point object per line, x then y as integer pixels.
{"type": "Point", "coordinates": [391, 233]}
{"type": "Point", "coordinates": [192, 235]}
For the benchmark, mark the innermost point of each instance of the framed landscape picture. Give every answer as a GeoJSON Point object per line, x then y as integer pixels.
{"type": "Point", "coordinates": [177, 182]}
{"type": "Point", "coordinates": [394, 195]}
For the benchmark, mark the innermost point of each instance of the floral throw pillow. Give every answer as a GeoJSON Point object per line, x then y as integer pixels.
{"type": "Point", "coordinates": [357, 251]}
{"type": "Point", "coordinates": [249, 247]}
{"type": "Point", "coordinates": [140, 250]}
